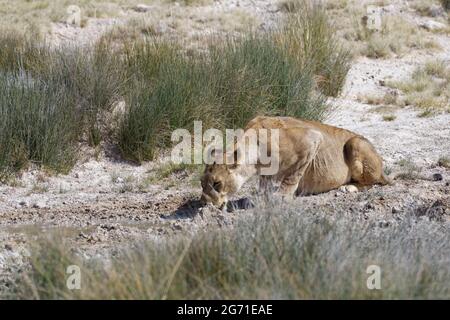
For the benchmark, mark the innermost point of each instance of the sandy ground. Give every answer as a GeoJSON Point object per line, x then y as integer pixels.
{"type": "Point", "coordinates": [99, 204]}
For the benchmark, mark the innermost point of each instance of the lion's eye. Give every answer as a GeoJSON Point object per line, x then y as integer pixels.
{"type": "Point", "coordinates": [217, 185]}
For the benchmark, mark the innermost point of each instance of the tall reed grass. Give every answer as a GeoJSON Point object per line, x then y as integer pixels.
{"type": "Point", "coordinates": [37, 124]}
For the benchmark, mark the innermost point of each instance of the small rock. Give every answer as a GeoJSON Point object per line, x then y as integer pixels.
{"type": "Point", "coordinates": [39, 205]}
{"type": "Point", "coordinates": [431, 25]}
{"type": "Point", "coordinates": [369, 206]}
{"type": "Point", "coordinates": [108, 227]}
{"type": "Point", "coordinates": [394, 92]}
{"type": "Point", "coordinates": [241, 204]}
{"type": "Point", "coordinates": [395, 210]}
{"type": "Point", "coordinates": [23, 203]}
{"type": "Point", "coordinates": [383, 224]}
{"type": "Point", "coordinates": [389, 8]}
{"type": "Point", "coordinates": [437, 177]}
{"type": "Point", "coordinates": [142, 8]}
{"type": "Point", "coordinates": [177, 227]}
{"type": "Point", "coordinates": [8, 247]}
{"type": "Point", "coordinates": [83, 235]}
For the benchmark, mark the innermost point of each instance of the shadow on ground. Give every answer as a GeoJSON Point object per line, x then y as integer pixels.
{"type": "Point", "coordinates": [192, 208]}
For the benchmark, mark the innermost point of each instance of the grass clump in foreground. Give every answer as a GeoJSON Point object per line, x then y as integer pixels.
{"type": "Point", "coordinates": [272, 253]}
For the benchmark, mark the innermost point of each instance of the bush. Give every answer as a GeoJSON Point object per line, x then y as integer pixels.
{"type": "Point", "coordinates": [272, 253]}
{"type": "Point", "coordinates": [37, 124]}
{"type": "Point", "coordinates": [76, 83]}
{"type": "Point", "coordinates": [309, 38]}
{"type": "Point", "coordinates": [93, 77]}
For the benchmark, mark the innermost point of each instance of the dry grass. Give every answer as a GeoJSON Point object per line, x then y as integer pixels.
{"type": "Point", "coordinates": [389, 117]}
{"type": "Point", "coordinates": [409, 170]}
{"type": "Point", "coordinates": [396, 37]}
{"type": "Point", "coordinates": [444, 161]}
{"type": "Point", "coordinates": [271, 252]}
{"type": "Point", "coordinates": [37, 15]}
{"type": "Point", "coordinates": [389, 98]}
{"type": "Point", "coordinates": [185, 20]}
{"type": "Point", "coordinates": [310, 38]}
{"type": "Point", "coordinates": [428, 88]}
{"type": "Point", "coordinates": [423, 7]}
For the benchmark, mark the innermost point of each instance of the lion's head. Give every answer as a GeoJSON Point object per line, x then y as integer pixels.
{"type": "Point", "coordinates": [218, 182]}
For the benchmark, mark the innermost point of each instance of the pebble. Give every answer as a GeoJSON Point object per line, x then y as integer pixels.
{"type": "Point", "coordinates": [142, 8]}
{"type": "Point", "coordinates": [395, 210]}
{"type": "Point", "coordinates": [24, 203]}
{"type": "Point", "coordinates": [431, 25]}
{"type": "Point", "coordinates": [39, 205]}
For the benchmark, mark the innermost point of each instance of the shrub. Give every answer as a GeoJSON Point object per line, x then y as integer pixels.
{"type": "Point", "coordinates": [93, 77]}
{"type": "Point", "coordinates": [37, 124]}
{"type": "Point", "coordinates": [310, 39]}
{"type": "Point", "coordinates": [19, 52]}
{"type": "Point", "coordinates": [79, 82]}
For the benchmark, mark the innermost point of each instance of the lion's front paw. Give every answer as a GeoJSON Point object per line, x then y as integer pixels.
{"type": "Point", "coordinates": [348, 188]}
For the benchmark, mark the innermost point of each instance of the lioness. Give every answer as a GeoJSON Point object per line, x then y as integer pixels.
{"type": "Point", "coordinates": [313, 158]}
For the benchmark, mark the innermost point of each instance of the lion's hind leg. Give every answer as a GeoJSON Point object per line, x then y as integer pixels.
{"type": "Point", "coordinates": [365, 164]}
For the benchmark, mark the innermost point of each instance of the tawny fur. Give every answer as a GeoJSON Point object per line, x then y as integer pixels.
{"type": "Point", "coordinates": [313, 158]}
